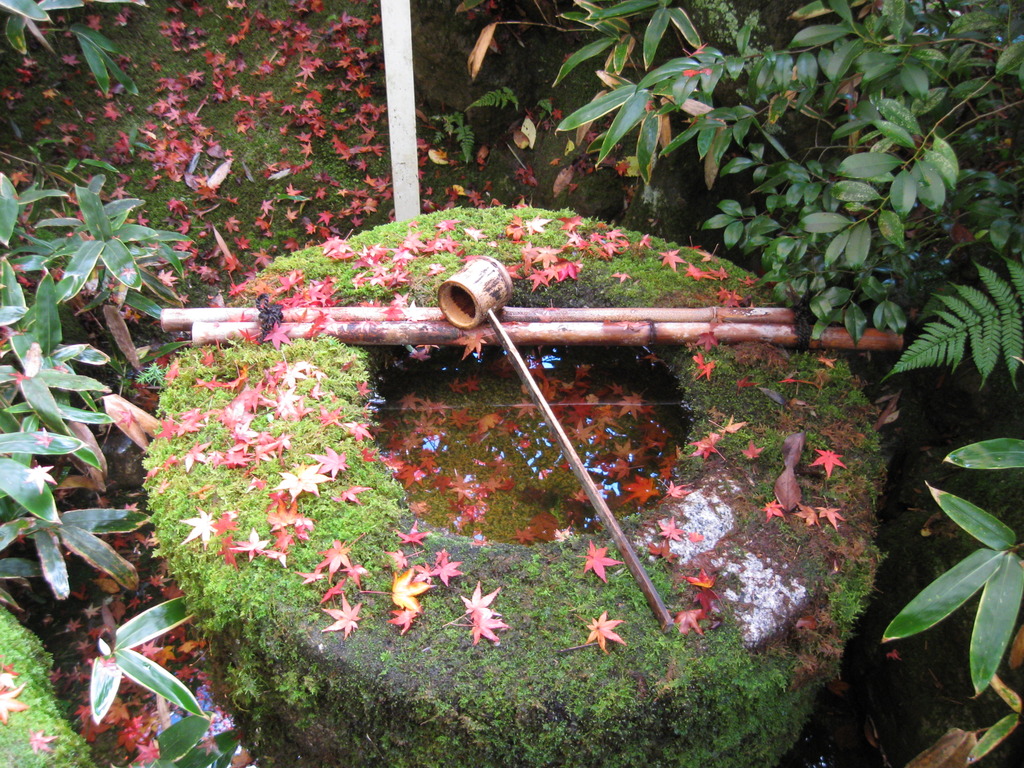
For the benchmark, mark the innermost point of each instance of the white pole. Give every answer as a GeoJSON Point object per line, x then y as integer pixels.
{"type": "Point", "coordinates": [397, 26]}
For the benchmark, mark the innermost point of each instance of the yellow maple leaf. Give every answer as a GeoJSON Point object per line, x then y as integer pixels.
{"type": "Point", "coordinates": [404, 591]}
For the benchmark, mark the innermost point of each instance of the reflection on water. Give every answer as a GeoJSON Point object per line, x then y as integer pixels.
{"type": "Point", "coordinates": [474, 455]}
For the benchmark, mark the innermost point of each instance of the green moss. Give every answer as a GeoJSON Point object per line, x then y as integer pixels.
{"type": "Point", "coordinates": [431, 697]}
{"type": "Point", "coordinates": [22, 656]}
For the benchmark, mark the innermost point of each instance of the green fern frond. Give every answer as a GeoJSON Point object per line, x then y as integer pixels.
{"type": "Point", "coordinates": [1011, 326]}
{"type": "Point", "coordinates": [991, 323]}
{"type": "Point", "coordinates": [499, 97]}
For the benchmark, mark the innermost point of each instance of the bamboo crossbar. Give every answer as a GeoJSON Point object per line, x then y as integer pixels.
{"type": "Point", "coordinates": [183, 319]}
{"type": "Point", "coordinates": [624, 333]}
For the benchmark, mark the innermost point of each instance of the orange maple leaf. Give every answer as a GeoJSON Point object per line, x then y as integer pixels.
{"type": "Point", "coordinates": [601, 631]}
{"type": "Point", "coordinates": [9, 703]}
{"type": "Point", "coordinates": [404, 591]}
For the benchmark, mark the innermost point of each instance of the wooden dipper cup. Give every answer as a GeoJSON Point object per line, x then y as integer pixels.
{"type": "Point", "coordinates": [466, 297]}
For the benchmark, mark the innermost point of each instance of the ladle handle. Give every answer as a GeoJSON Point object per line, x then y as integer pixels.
{"type": "Point", "coordinates": [607, 518]}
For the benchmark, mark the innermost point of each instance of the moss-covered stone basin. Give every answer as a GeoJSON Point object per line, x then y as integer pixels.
{"type": "Point", "coordinates": [253, 524]}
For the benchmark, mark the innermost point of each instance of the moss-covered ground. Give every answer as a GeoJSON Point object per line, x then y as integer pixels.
{"type": "Point", "coordinates": [36, 735]}
{"type": "Point", "coordinates": [241, 419]}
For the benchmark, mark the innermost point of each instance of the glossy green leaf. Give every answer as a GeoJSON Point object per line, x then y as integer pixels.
{"type": "Point", "coordinates": [11, 530]}
{"type": "Point", "coordinates": [15, 30]}
{"type": "Point", "coordinates": [855, 321]}
{"type": "Point", "coordinates": [600, 106]}
{"type": "Point", "coordinates": [980, 524]}
{"type": "Point", "coordinates": [997, 616]}
{"type": "Point", "coordinates": [994, 736]}
{"type": "Point", "coordinates": [944, 595]}
{"type": "Point", "coordinates": [79, 267]}
{"type": "Point", "coordinates": [944, 159]}
{"type": "Point", "coordinates": [1011, 58]}
{"type": "Point", "coordinates": [1001, 453]}
{"type": "Point", "coordinates": [682, 22]}
{"type": "Point", "coordinates": [119, 261]}
{"type": "Point", "coordinates": [893, 12]}
{"type": "Point", "coordinates": [26, 8]}
{"type": "Point", "coordinates": [821, 34]}
{"type": "Point", "coordinates": [890, 226]}
{"type": "Point", "coordinates": [914, 78]}
{"type": "Point", "coordinates": [903, 193]}
{"type": "Point", "coordinates": [896, 133]}
{"type": "Point", "coordinates": [588, 51]}
{"type": "Point", "coordinates": [152, 623]}
{"type": "Point", "coordinates": [150, 675]}
{"type": "Point", "coordinates": [99, 555]}
{"type": "Point", "coordinates": [95, 219]}
{"type": "Point", "coordinates": [55, 570]}
{"type": "Point", "coordinates": [868, 165]}
{"type": "Point", "coordinates": [931, 189]}
{"type": "Point", "coordinates": [632, 112]}
{"type": "Point", "coordinates": [647, 146]}
{"type": "Point", "coordinates": [182, 736]}
{"type": "Point", "coordinates": [897, 112]}
{"type": "Point", "coordinates": [103, 685]}
{"type": "Point", "coordinates": [11, 315]}
{"type": "Point", "coordinates": [11, 294]}
{"type": "Point", "coordinates": [824, 222]}
{"type": "Point", "coordinates": [652, 36]}
{"type": "Point", "coordinates": [105, 520]}
{"type": "Point", "coordinates": [854, 191]}
{"type": "Point", "coordinates": [859, 245]}
{"type": "Point", "coordinates": [43, 319]}
{"type": "Point", "coordinates": [39, 397]}
{"type": "Point", "coordinates": [27, 487]}
{"type": "Point", "coordinates": [8, 218]}
{"type": "Point", "coordinates": [71, 382]}
{"type": "Point", "coordinates": [39, 442]}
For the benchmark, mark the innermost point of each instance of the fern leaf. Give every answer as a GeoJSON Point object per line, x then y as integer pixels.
{"type": "Point", "coordinates": [942, 342]}
{"type": "Point", "coordinates": [1011, 327]}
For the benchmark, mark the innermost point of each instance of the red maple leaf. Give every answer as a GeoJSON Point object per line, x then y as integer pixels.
{"type": "Point", "coordinates": [828, 459]}
{"type": "Point", "coordinates": [751, 451]}
{"type": "Point", "coordinates": [687, 620]}
{"type": "Point", "coordinates": [704, 368]}
{"type": "Point", "coordinates": [670, 258]}
{"type": "Point", "coordinates": [403, 619]}
{"type": "Point", "coordinates": [278, 336]}
{"type": "Point", "coordinates": [345, 619]}
{"type": "Point", "coordinates": [331, 463]}
{"type": "Point", "coordinates": [670, 531]}
{"type": "Point", "coordinates": [773, 509]}
{"type": "Point", "coordinates": [351, 494]}
{"type": "Point", "coordinates": [414, 536]}
{"type": "Point", "coordinates": [596, 560]}
{"type": "Point", "coordinates": [445, 569]}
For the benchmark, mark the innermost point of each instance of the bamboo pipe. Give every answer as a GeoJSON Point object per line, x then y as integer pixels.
{"type": "Point", "coordinates": [611, 525]}
{"type": "Point", "coordinates": [174, 319]}
{"type": "Point", "coordinates": [442, 333]}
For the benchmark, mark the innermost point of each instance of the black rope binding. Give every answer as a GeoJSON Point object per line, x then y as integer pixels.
{"type": "Point", "coordinates": [803, 320]}
{"type": "Point", "coordinates": [271, 315]}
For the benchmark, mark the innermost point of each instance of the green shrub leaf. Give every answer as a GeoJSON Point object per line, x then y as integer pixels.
{"type": "Point", "coordinates": [980, 524]}
{"type": "Point", "coordinates": [824, 222]}
{"type": "Point", "coordinates": [182, 736]}
{"type": "Point", "coordinates": [103, 685]}
{"type": "Point", "coordinates": [150, 675]}
{"type": "Point", "coordinates": [868, 165]}
{"type": "Point", "coordinates": [1001, 453]}
{"type": "Point", "coordinates": [152, 623]}
{"type": "Point", "coordinates": [997, 615]}
{"type": "Point", "coordinates": [944, 595]}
